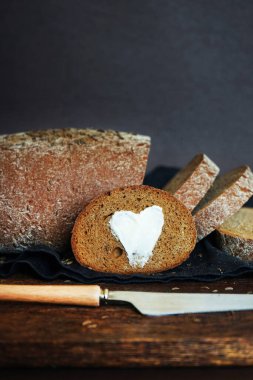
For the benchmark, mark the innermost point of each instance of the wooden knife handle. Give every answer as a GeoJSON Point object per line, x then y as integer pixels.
{"type": "Point", "coordinates": [88, 295]}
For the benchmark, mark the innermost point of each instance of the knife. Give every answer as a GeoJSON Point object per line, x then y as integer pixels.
{"type": "Point", "coordinates": [147, 303]}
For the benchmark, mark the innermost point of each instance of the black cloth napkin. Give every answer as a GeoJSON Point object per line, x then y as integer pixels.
{"type": "Point", "coordinates": [206, 263]}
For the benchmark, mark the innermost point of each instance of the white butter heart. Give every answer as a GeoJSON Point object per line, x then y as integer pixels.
{"type": "Point", "coordinates": [138, 233]}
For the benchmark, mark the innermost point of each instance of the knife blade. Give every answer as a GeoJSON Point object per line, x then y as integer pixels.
{"type": "Point", "coordinates": [147, 303]}
{"type": "Point", "coordinates": [158, 304]}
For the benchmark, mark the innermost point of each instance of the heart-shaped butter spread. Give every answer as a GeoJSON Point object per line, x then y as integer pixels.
{"type": "Point", "coordinates": [138, 233]}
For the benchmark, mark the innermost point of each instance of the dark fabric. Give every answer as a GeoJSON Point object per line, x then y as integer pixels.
{"type": "Point", "coordinates": [206, 263]}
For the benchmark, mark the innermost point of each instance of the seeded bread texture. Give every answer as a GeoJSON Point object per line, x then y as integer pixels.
{"type": "Point", "coordinates": [227, 195]}
{"type": "Point", "coordinates": [94, 245]}
{"type": "Point", "coordinates": [191, 183]}
{"type": "Point", "coordinates": [47, 177]}
{"type": "Point", "coordinates": [235, 235]}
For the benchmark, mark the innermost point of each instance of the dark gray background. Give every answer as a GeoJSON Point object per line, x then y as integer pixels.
{"type": "Point", "coordinates": [180, 71]}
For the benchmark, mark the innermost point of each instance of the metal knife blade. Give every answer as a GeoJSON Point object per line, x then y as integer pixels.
{"type": "Point", "coordinates": [158, 304]}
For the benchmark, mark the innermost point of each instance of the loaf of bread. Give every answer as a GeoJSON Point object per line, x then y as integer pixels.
{"type": "Point", "coordinates": [47, 177]}
{"type": "Point", "coordinates": [137, 229]}
{"type": "Point", "coordinates": [227, 195]}
{"type": "Point", "coordinates": [192, 182]}
{"type": "Point", "coordinates": [235, 235]}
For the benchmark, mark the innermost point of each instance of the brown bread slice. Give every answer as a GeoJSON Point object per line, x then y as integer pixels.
{"type": "Point", "coordinates": [235, 235]}
{"type": "Point", "coordinates": [227, 195]}
{"type": "Point", "coordinates": [192, 182]}
{"type": "Point", "coordinates": [47, 177]}
{"type": "Point", "coordinates": [94, 245]}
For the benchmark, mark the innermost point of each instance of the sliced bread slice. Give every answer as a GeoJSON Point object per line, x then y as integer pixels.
{"type": "Point", "coordinates": [235, 235]}
{"type": "Point", "coordinates": [227, 195]}
{"type": "Point", "coordinates": [96, 246]}
{"type": "Point", "coordinates": [192, 182]}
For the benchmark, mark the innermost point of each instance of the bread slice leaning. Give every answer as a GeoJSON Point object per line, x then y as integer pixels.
{"type": "Point", "coordinates": [227, 195]}
{"type": "Point", "coordinates": [191, 183]}
{"type": "Point", "coordinates": [94, 245]}
{"type": "Point", "coordinates": [235, 235]}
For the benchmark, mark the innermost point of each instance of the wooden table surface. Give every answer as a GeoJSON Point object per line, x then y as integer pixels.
{"type": "Point", "coordinates": [44, 335]}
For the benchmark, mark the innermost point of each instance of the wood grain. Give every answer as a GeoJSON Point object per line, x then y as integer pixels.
{"type": "Point", "coordinates": [39, 335]}
{"type": "Point", "coordinates": [85, 295]}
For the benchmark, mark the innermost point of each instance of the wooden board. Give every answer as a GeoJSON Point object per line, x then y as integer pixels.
{"type": "Point", "coordinates": [37, 335]}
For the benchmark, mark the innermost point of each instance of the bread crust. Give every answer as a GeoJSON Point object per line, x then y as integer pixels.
{"type": "Point", "coordinates": [235, 245]}
{"type": "Point", "coordinates": [47, 177]}
{"type": "Point", "coordinates": [192, 182]}
{"type": "Point", "coordinates": [216, 210]}
{"type": "Point", "coordinates": [82, 253]}
{"type": "Point", "coordinates": [236, 236]}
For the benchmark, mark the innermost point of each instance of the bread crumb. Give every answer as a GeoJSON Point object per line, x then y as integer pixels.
{"type": "Point", "coordinates": [87, 322]}
{"type": "Point", "coordinates": [229, 288]}
{"type": "Point", "coordinates": [215, 291]}
{"type": "Point", "coordinates": [104, 317]}
{"type": "Point", "coordinates": [205, 287]}
{"type": "Point", "coordinates": [196, 319]}
{"type": "Point", "coordinates": [67, 261]}
{"type": "Point", "coordinates": [175, 289]}
{"type": "Point", "coordinates": [92, 326]}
